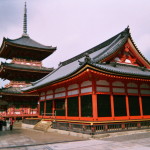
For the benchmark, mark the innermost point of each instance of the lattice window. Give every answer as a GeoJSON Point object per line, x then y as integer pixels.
{"type": "Point", "coordinates": [42, 98]}
{"type": "Point", "coordinates": [86, 83]}
{"type": "Point", "coordinates": [102, 89]}
{"type": "Point", "coordinates": [86, 90]}
{"type": "Point", "coordinates": [73, 92]}
{"type": "Point", "coordinates": [145, 91]}
{"type": "Point", "coordinates": [42, 93]}
{"type": "Point", "coordinates": [73, 86]}
{"type": "Point", "coordinates": [60, 94]}
{"type": "Point", "coordinates": [102, 82]}
{"type": "Point", "coordinates": [132, 91]}
{"type": "Point", "coordinates": [118, 90]}
{"type": "Point", "coordinates": [131, 84]}
{"type": "Point", "coordinates": [49, 92]}
{"type": "Point", "coordinates": [145, 86]}
{"type": "Point", "coordinates": [117, 83]}
{"type": "Point", "coordinates": [60, 90]}
{"type": "Point", "coordinates": [49, 97]}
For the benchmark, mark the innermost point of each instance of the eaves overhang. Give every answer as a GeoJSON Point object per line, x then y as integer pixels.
{"type": "Point", "coordinates": [85, 67]}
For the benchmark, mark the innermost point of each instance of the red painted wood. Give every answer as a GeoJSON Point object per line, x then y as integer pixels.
{"type": "Point", "coordinates": [66, 107]}
{"type": "Point", "coordinates": [112, 105]}
{"type": "Point", "coordinates": [141, 108]}
{"type": "Point", "coordinates": [127, 106]}
{"type": "Point", "coordinates": [94, 100]}
{"type": "Point", "coordinates": [94, 106]}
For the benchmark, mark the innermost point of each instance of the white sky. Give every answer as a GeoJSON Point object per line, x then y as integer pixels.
{"type": "Point", "coordinates": [76, 25]}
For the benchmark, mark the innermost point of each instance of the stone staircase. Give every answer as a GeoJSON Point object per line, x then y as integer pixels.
{"type": "Point", "coordinates": [43, 125]}
{"type": "Point", "coordinates": [17, 124]}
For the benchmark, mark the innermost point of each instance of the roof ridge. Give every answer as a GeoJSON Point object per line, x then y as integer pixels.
{"type": "Point", "coordinates": [95, 48]}
{"type": "Point", "coordinates": [123, 64]}
{"type": "Point", "coordinates": [27, 66]}
{"type": "Point", "coordinates": [8, 39]}
{"type": "Point", "coordinates": [27, 37]}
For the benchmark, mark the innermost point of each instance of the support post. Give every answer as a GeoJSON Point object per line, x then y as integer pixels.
{"type": "Point", "coordinates": [127, 106]}
{"type": "Point", "coordinates": [79, 107]}
{"type": "Point", "coordinates": [79, 100]}
{"type": "Point", "coordinates": [66, 107]}
{"type": "Point", "coordinates": [94, 106]}
{"type": "Point", "coordinates": [53, 107]}
{"type": "Point", "coordinates": [94, 101]}
{"type": "Point", "coordinates": [141, 108]}
{"type": "Point", "coordinates": [44, 107]}
{"type": "Point", "coordinates": [112, 105]}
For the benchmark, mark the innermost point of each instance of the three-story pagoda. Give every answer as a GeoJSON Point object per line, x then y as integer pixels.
{"type": "Point", "coordinates": [25, 67]}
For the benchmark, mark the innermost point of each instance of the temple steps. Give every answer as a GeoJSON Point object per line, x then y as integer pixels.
{"type": "Point", "coordinates": [17, 124]}
{"type": "Point", "coordinates": [43, 125]}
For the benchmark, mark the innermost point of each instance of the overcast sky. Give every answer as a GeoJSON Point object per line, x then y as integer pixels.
{"type": "Point", "coordinates": [76, 25]}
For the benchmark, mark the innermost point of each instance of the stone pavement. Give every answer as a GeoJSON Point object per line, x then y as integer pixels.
{"type": "Point", "coordinates": [18, 137]}
{"type": "Point", "coordinates": [130, 140]}
{"type": "Point", "coordinates": [139, 141]}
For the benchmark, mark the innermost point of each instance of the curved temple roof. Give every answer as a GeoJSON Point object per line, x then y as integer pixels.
{"type": "Point", "coordinates": [26, 48]}
{"type": "Point", "coordinates": [14, 91]}
{"type": "Point", "coordinates": [96, 54]}
{"type": "Point", "coordinates": [28, 42]}
{"type": "Point", "coordinates": [26, 67]}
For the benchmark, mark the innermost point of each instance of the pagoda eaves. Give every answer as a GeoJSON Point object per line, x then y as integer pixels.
{"type": "Point", "coordinates": [19, 72]}
{"type": "Point", "coordinates": [15, 92]}
{"type": "Point", "coordinates": [25, 47]}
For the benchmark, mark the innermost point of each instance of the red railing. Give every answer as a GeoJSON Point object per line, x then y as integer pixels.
{"type": "Point", "coordinates": [19, 113]}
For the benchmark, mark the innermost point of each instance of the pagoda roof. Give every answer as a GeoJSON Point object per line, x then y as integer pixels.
{"type": "Point", "coordinates": [97, 54]}
{"type": "Point", "coordinates": [16, 91]}
{"type": "Point", "coordinates": [27, 46]}
{"type": "Point", "coordinates": [28, 42]}
{"type": "Point", "coordinates": [19, 72]}
{"type": "Point", "coordinates": [26, 67]}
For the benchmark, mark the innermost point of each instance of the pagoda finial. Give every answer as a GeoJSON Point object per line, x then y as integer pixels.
{"type": "Point", "coordinates": [25, 21]}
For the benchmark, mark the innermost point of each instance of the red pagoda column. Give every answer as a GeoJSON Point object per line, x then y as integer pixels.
{"type": "Point", "coordinates": [112, 105]}
{"type": "Point", "coordinates": [53, 107]}
{"type": "Point", "coordinates": [44, 107]}
{"type": "Point", "coordinates": [66, 107]}
{"type": "Point", "coordinates": [141, 108]}
{"type": "Point", "coordinates": [79, 107]}
{"type": "Point", "coordinates": [140, 101]}
{"type": "Point", "coordinates": [127, 106]}
{"type": "Point", "coordinates": [79, 100]}
{"type": "Point", "coordinates": [94, 100]}
{"type": "Point", "coordinates": [112, 101]}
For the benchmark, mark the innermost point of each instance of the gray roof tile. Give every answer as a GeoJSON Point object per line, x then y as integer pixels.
{"type": "Point", "coordinates": [97, 54]}
{"type": "Point", "coordinates": [27, 41]}
{"type": "Point", "coordinates": [28, 67]}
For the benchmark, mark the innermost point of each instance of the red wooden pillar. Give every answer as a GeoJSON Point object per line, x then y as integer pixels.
{"type": "Point", "coordinates": [29, 110]}
{"type": "Point", "coordinates": [66, 103]}
{"type": "Point", "coordinates": [94, 100]}
{"type": "Point", "coordinates": [127, 106]}
{"type": "Point", "coordinates": [38, 108]}
{"type": "Point", "coordinates": [94, 105]}
{"type": "Point", "coordinates": [79, 100]}
{"type": "Point", "coordinates": [112, 105]}
{"type": "Point", "coordinates": [140, 101]}
{"type": "Point", "coordinates": [141, 108]}
{"type": "Point", "coordinates": [112, 100]}
{"type": "Point", "coordinates": [127, 100]}
{"type": "Point", "coordinates": [79, 105]}
{"type": "Point", "coordinates": [44, 107]}
{"type": "Point", "coordinates": [53, 107]}
{"type": "Point", "coordinates": [66, 108]}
